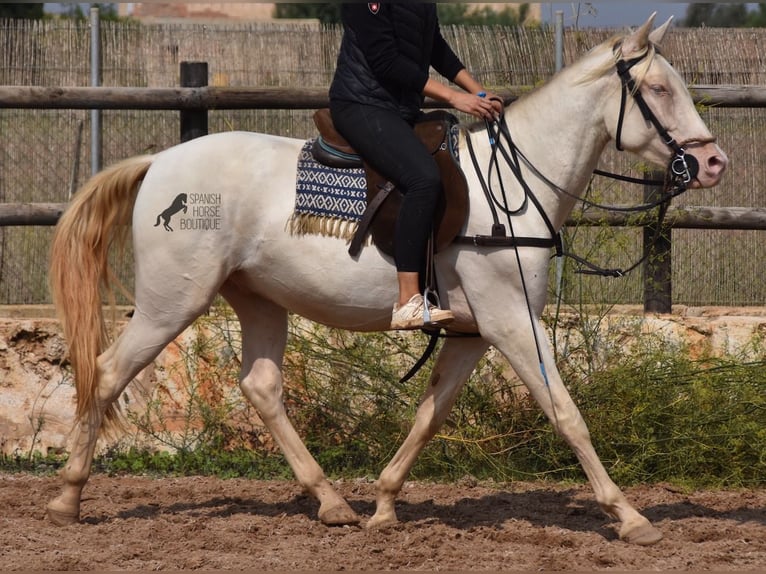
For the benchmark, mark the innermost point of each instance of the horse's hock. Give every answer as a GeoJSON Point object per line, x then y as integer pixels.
{"type": "Point", "coordinates": [37, 402]}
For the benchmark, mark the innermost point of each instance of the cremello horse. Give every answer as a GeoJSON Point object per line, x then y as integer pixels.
{"type": "Point", "coordinates": [244, 252]}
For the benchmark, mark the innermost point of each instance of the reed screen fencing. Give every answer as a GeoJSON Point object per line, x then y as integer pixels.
{"type": "Point", "coordinates": [44, 153]}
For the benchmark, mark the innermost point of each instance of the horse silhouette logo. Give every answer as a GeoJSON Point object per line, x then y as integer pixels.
{"type": "Point", "coordinates": [178, 204]}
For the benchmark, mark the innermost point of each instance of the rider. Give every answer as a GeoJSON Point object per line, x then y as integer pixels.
{"type": "Point", "coordinates": [381, 80]}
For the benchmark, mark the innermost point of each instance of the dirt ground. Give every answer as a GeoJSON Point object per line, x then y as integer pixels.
{"type": "Point", "coordinates": [139, 523]}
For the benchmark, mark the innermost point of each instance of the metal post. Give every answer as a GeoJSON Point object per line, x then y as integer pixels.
{"type": "Point", "coordinates": [95, 81]}
{"type": "Point", "coordinates": [76, 164]}
{"type": "Point", "coordinates": [658, 288]}
{"type": "Point", "coordinates": [559, 39]}
{"type": "Point", "coordinates": [193, 122]}
{"type": "Point", "coordinates": [559, 66]}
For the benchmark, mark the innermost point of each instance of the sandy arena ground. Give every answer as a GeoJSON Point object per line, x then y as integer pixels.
{"type": "Point", "coordinates": [137, 523]}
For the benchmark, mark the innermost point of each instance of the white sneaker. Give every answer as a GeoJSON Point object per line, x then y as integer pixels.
{"type": "Point", "coordinates": [411, 315]}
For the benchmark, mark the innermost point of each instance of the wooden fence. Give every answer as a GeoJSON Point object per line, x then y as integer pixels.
{"type": "Point", "coordinates": [195, 102]}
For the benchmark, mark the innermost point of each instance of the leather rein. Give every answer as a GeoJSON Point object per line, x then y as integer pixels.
{"type": "Point", "coordinates": [682, 169]}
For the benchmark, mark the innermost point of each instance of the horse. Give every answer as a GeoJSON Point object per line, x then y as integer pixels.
{"type": "Point", "coordinates": [264, 272]}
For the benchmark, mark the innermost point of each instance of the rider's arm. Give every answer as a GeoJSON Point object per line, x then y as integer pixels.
{"type": "Point", "coordinates": [468, 101]}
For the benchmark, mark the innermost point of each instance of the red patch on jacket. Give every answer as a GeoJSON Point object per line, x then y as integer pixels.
{"type": "Point", "coordinates": [374, 7]}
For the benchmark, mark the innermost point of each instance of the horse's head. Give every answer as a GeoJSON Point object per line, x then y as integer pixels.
{"type": "Point", "coordinates": [653, 115]}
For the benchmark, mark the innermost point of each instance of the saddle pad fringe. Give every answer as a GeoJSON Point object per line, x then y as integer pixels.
{"type": "Point", "coordinates": [328, 201]}
{"type": "Point", "coordinates": [309, 224]}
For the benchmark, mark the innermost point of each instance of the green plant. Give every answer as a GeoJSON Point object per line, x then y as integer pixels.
{"type": "Point", "coordinates": [656, 411]}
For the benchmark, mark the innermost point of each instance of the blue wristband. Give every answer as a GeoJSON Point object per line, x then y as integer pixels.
{"type": "Point", "coordinates": [482, 94]}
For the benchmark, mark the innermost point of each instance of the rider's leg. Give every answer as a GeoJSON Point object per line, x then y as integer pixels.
{"type": "Point", "coordinates": [389, 144]}
{"type": "Point", "coordinates": [409, 285]}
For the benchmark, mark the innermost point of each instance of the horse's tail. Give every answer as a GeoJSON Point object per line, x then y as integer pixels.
{"type": "Point", "coordinates": [98, 217]}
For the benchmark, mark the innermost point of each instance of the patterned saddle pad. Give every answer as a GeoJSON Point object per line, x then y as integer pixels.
{"type": "Point", "coordinates": [328, 201]}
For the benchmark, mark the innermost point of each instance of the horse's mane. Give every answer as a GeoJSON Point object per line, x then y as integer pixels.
{"type": "Point", "coordinates": [614, 45]}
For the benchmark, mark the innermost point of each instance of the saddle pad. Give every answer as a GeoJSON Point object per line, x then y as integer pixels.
{"type": "Point", "coordinates": [328, 201]}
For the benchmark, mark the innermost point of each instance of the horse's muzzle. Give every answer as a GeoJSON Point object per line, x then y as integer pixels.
{"type": "Point", "coordinates": [712, 163]}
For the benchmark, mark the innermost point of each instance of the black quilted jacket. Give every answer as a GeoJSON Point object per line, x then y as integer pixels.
{"type": "Point", "coordinates": [386, 52]}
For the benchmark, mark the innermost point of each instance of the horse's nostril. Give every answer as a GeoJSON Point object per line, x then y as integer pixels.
{"type": "Point", "coordinates": [717, 164]}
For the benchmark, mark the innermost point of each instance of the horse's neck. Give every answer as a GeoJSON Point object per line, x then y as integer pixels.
{"type": "Point", "coordinates": [560, 129]}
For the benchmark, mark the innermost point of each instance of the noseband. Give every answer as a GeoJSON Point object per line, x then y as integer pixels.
{"type": "Point", "coordinates": [682, 168]}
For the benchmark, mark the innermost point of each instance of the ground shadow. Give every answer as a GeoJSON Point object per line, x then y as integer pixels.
{"type": "Point", "coordinates": [539, 507]}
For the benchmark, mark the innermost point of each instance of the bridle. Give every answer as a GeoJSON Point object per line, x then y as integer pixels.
{"type": "Point", "coordinates": [683, 168]}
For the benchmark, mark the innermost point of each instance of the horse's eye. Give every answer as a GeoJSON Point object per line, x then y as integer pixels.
{"type": "Point", "coordinates": [659, 90]}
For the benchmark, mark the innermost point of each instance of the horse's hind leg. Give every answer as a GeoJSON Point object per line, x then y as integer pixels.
{"type": "Point", "coordinates": [141, 341]}
{"type": "Point", "coordinates": [264, 335]}
{"type": "Point", "coordinates": [455, 363]}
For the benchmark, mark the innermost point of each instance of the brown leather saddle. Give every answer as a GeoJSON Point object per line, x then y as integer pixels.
{"type": "Point", "coordinates": [383, 199]}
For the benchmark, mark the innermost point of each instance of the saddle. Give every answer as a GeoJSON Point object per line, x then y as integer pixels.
{"type": "Point", "coordinates": [383, 199]}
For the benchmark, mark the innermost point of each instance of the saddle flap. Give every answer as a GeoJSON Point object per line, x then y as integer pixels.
{"type": "Point", "coordinates": [451, 210]}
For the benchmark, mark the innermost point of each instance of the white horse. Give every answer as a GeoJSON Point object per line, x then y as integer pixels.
{"type": "Point", "coordinates": [263, 271]}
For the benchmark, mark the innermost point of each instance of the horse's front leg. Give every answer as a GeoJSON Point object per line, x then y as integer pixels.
{"type": "Point", "coordinates": [520, 349]}
{"type": "Point", "coordinates": [455, 363]}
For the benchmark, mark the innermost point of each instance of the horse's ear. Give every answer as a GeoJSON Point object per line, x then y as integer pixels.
{"type": "Point", "coordinates": [658, 35]}
{"type": "Point", "coordinates": [637, 42]}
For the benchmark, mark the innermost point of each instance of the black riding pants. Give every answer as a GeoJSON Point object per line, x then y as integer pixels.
{"type": "Point", "coordinates": [389, 144]}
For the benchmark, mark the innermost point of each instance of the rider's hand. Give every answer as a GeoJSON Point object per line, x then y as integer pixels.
{"type": "Point", "coordinates": [484, 106]}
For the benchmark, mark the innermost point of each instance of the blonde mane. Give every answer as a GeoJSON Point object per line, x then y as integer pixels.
{"type": "Point", "coordinates": [614, 45]}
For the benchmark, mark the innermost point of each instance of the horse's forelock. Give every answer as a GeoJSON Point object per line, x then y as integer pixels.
{"type": "Point", "coordinates": [614, 47]}
{"type": "Point", "coordinates": [642, 67]}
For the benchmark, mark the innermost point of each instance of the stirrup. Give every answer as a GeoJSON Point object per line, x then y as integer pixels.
{"type": "Point", "coordinates": [426, 310]}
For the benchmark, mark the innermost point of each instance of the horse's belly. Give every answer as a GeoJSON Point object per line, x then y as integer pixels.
{"type": "Point", "coordinates": [315, 277]}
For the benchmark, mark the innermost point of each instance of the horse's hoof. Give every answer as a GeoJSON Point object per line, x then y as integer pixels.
{"type": "Point", "coordinates": [642, 535]}
{"type": "Point", "coordinates": [381, 521]}
{"type": "Point", "coordinates": [338, 515]}
{"type": "Point", "coordinates": [61, 516]}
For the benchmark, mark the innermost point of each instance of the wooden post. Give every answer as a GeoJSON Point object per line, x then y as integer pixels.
{"type": "Point", "coordinates": [193, 121]}
{"type": "Point", "coordinates": [658, 292]}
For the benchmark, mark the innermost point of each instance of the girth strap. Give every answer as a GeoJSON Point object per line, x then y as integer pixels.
{"type": "Point", "coordinates": [509, 241]}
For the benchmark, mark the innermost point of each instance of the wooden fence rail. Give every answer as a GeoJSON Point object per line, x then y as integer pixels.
{"type": "Point", "coordinates": [222, 98]}
{"type": "Point", "coordinates": [739, 218]}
